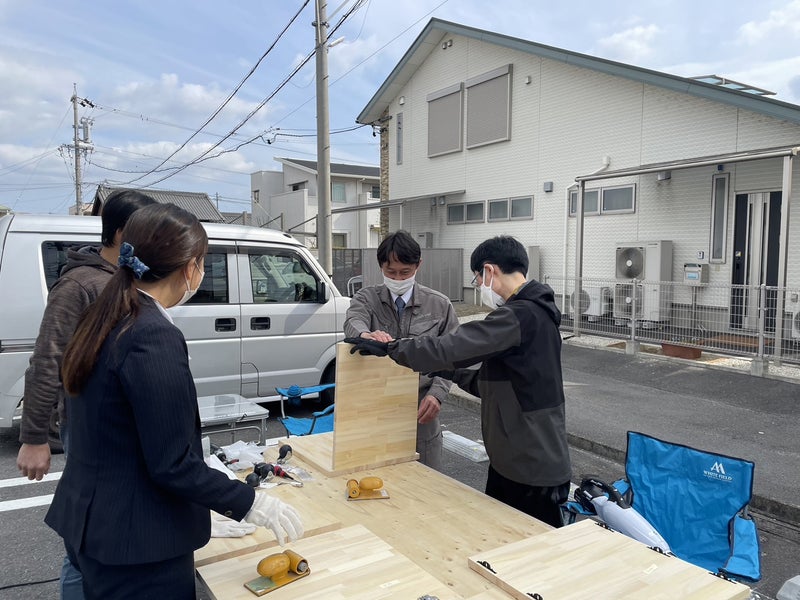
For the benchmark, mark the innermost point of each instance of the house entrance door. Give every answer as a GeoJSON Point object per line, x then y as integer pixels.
{"type": "Point", "coordinates": [757, 224]}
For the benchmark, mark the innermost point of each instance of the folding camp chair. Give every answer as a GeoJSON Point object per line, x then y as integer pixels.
{"type": "Point", "coordinates": [318, 422]}
{"type": "Point", "coordinates": [293, 393]}
{"type": "Point", "coordinates": [698, 502]}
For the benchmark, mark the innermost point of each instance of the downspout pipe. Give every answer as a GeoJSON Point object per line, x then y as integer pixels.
{"type": "Point", "coordinates": [576, 321]}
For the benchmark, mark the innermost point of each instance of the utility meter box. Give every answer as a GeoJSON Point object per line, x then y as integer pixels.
{"type": "Point", "coordinates": [695, 273]}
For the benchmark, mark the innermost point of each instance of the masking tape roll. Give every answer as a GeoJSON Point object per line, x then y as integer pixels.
{"type": "Point", "coordinates": [353, 491]}
{"type": "Point", "coordinates": [297, 564]}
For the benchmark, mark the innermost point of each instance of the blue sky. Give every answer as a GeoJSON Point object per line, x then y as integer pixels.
{"type": "Point", "coordinates": [157, 71]}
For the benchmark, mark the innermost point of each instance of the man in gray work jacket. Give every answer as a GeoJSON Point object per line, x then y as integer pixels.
{"type": "Point", "coordinates": [402, 308]}
{"type": "Point", "coordinates": [518, 346]}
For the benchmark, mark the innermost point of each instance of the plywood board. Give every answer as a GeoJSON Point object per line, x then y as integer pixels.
{"type": "Point", "coordinates": [348, 563]}
{"type": "Point", "coordinates": [316, 519]}
{"type": "Point", "coordinates": [375, 419]}
{"type": "Point", "coordinates": [585, 560]}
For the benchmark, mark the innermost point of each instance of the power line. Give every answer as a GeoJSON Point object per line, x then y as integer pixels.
{"type": "Point", "coordinates": [231, 95]}
{"type": "Point", "coordinates": [308, 57]}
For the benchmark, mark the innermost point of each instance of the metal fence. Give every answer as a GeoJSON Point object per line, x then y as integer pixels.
{"type": "Point", "coordinates": [758, 322]}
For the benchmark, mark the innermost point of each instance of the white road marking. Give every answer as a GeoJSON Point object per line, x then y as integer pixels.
{"type": "Point", "coordinates": [26, 503]}
{"type": "Point", "coordinates": [14, 482]}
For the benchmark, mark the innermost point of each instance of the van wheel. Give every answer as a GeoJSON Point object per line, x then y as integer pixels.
{"type": "Point", "coordinates": [326, 397]}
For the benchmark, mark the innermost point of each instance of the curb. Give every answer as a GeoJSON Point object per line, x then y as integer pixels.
{"type": "Point", "coordinates": [770, 507]}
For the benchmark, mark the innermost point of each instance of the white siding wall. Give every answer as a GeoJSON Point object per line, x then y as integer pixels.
{"type": "Point", "coordinates": [563, 123]}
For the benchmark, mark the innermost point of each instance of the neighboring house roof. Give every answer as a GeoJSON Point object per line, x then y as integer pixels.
{"type": "Point", "coordinates": [238, 218]}
{"type": "Point", "coordinates": [436, 29]}
{"type": "Point", "coordinates": [338, 169]}
{"type": "Point", "coordinates": [197, 203]}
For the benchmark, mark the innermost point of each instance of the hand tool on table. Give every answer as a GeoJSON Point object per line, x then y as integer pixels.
{"type": "Point", "coordinates": [368, 488]}
{"type": "Point", "coordinates": [277, 570]}
{"type": "Point", "coordinates": [284, 453]}
{"type": "Point", "coordinates": [268, 472]}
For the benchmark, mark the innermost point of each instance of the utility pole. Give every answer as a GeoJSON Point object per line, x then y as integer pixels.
{"type": "Point", "coordinates": [78, 143]}
{"type": "Point", "coordinates": [324, 237]}
{"type": "Point", "coordinates": [77, 150]}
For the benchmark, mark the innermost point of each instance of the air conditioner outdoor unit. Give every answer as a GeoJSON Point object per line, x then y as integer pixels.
{"type": "Point", "coordinates": [793, 306]}
{"type": "Point", "coordinates": [592, 301]}
{"type": "Point", "coordinates": [627, 298]}
{"type": "Point", "coordinates": [650, 263]}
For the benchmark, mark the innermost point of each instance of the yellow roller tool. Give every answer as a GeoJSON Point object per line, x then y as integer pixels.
{"type": "Point", "coordinates": [277, 570]}
{"type": "Point", "coordinates": [369, 488]}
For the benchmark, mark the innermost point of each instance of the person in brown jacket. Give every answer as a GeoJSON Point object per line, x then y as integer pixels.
{"type": "Point", "coordinates": [83, 278]}
{"type": "Point", "coordinates": [402, 308]}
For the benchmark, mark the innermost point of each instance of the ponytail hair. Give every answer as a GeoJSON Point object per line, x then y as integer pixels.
{"type": "Point", "coordinates": [162, 238]}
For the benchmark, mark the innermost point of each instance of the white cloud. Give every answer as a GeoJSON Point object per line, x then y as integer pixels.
{"type": "Point", "coordinates": [780, 21]}
{"type": "Point", "coordinates": [633, 45]}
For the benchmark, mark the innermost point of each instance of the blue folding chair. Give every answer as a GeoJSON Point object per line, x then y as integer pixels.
{"type": "Point", "coordinates": [318, 422]}
{"type": "Point", "coordinates": [698, 501]}
{"type": "Point", "coordinates": [293, 393]}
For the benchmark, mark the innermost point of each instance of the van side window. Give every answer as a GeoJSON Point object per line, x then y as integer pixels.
{"type": "Point", "coordinates": [281, 276]}
{"type": "Point", "coordinates": [214, 288]}
{"type": "Point", "coordinates": [54, 257]}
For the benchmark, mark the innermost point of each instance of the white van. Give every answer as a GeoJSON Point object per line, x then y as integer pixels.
{"type": "Point", "coordinates": [266, 314]}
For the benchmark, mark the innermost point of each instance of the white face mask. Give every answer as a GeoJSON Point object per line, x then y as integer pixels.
{"type": "Point", "coordinates": [187, 295]}
{"type": "Point", "coordinates": [489, 297]}
{"type": "Point", "coordinates": [399, 286]}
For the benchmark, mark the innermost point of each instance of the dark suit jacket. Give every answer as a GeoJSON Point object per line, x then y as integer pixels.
{"type": "Point", "coordinates": [135, 488]}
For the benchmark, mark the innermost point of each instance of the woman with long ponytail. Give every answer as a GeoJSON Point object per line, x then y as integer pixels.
{"type": "Point", "coordinates": [133, 502]}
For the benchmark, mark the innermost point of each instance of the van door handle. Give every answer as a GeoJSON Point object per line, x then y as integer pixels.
{"type": "Point", "coordinates": [259, 323]}
{"type": "Point", "coordinates": [225, 324]}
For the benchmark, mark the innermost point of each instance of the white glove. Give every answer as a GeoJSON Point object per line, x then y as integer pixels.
{"type": "Point", "coordinates": [224, 527]}
{"type": "Point", "coordinates": [268, 511]}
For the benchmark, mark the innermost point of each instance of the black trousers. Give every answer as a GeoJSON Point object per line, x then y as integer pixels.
{"type": "Point", "coordinates": [544, 503]}
{"type": "Point", "coordinates": [173, 579]}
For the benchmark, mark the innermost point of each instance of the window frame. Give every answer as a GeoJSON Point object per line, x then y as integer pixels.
{"type": "Point", "coordinates": [713, 228]}
{"type": "Point", "coordinates": [282, 281]}
{"type": "Point", "coordinates": [467, 206]}
{"type": "Point", "coordinates": [463, 208]}
{"type": "Point", "coordinates": [338, 185]}
{"type": "Point", "coordinates": [506, 202]}
{"type": "Point", "coordinates": [573, 206]}
{"type": "Point", "coordinates": [504, 71]}
{"type": "Point", "coordinates": [511, 216]}
{"type": "Point", "coordinates": [455, 89]}
{"type": "Point", "coordinates": [617, 211]}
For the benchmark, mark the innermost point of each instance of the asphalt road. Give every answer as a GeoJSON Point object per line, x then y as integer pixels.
{"type": "Point", "coordinates": [33, 553]}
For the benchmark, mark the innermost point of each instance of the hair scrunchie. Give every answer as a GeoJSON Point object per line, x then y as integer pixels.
{"type": "Point", "coordinates": [128, 259]}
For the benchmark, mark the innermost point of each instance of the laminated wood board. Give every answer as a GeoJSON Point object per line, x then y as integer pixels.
{"type": "Point", "coordinates": [585, 560]}
{"type": "Point", "coordinates": [375, 419]}
{"type": "Point", "coordinates": [316, 519]}
{"type": "Point", "coordinates": [348, 563]}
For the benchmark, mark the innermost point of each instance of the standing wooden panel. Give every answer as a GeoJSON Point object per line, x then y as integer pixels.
{"type": "Point", "coordinates": [585, 560]}
{"type": "Point", "coordinates": [375, 419]}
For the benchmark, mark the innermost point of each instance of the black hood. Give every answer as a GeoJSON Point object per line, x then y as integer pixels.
{"type": "Point", "coordinates": [543, 295]}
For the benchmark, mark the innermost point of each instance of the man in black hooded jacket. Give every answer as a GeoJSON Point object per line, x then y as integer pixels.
{"type": "Point", "coordinates": [518, 350]}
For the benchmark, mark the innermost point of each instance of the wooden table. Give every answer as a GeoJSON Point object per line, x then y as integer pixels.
{"type": "Point", "coordinates": [430, 519]}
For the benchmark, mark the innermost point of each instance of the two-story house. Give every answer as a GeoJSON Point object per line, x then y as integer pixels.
{"type": "Point", "coordinates": [287, 200]}
{"type": "Point", "coordinates": [490, 134]}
